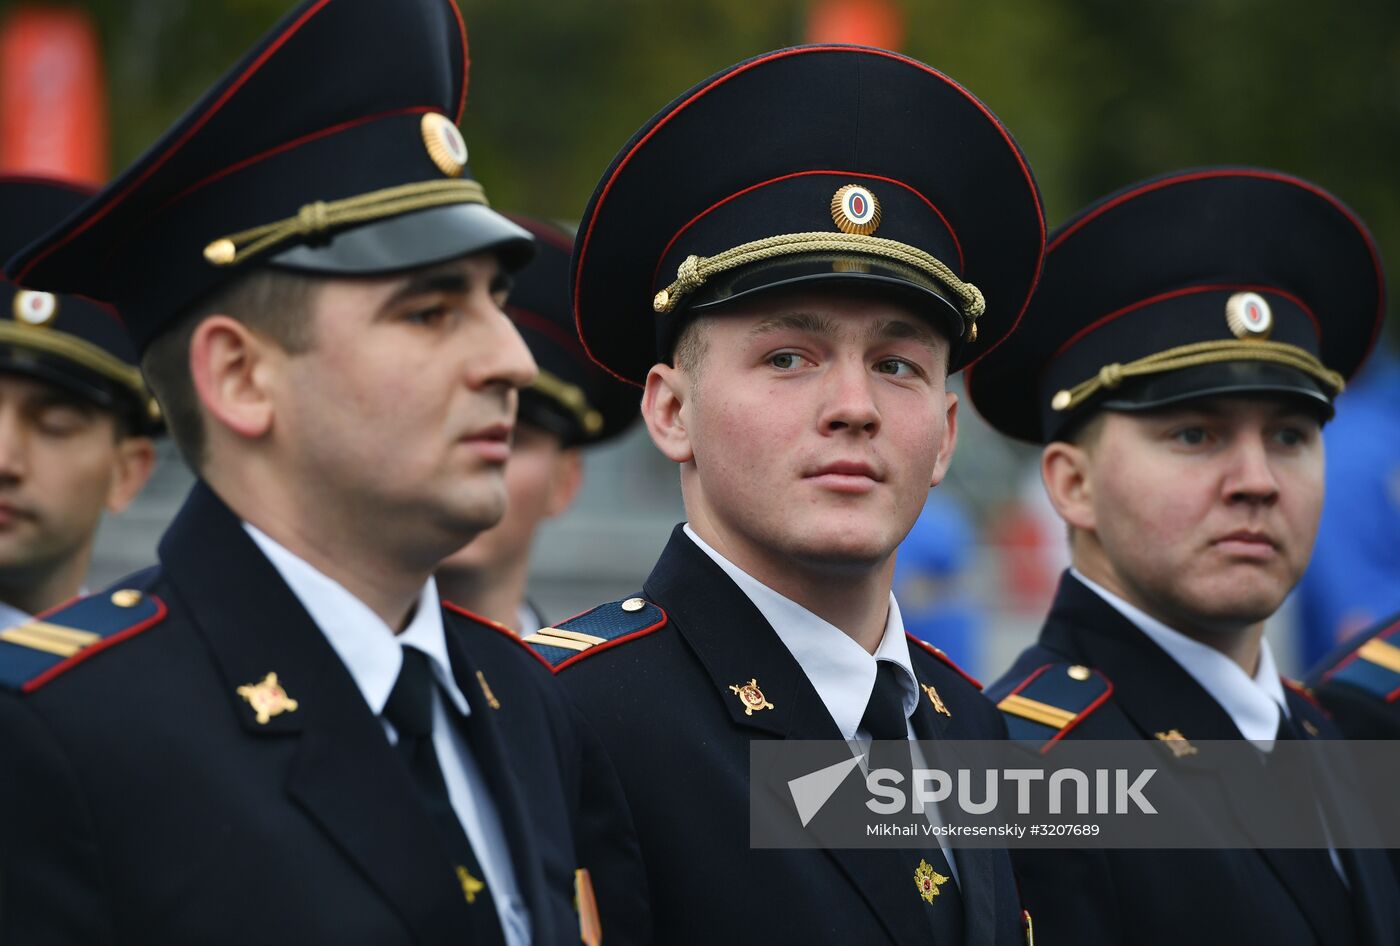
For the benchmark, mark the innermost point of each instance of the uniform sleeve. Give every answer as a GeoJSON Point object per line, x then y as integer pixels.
{"type": "Point", "coordinates": [607, 844]}
{"type": "Point", "coordinates": [51, 885]}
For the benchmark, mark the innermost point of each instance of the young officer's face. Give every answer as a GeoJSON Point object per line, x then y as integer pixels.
{"type": "Point", "coordinates": [404, 406]}
{"type": "Point", "coordinates": [61, 465]}
{"type": "Point", "coordinates": [818, 424]}
{"type": "Point", "coordinates": [1206, 513]}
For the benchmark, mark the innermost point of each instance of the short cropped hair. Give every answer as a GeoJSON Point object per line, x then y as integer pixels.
{"type": "Point", "coordinates": [272, 302]}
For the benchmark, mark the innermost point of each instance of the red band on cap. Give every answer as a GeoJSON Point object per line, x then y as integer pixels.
{"type": "Point", "coordinates": [1177, 293]}
{"type": "Point", "coordinates": [962, 267]}
{"type": "Point", "coordinates": [612, 178]}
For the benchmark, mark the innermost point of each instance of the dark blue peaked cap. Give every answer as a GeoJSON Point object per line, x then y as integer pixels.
{"type": "Point", "coordinates": [66, 340]}
{"type": "Point", "coordinates": [571, 397]}
{"type": "Point", "coordinates": [331, 148]}
{"type": "Point", "coordinates": [830, 166]}
{"type": "Point", "coordinates": [1203, 282]}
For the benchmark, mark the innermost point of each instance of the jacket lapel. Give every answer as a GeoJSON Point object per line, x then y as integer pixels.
{"type": "Point", "coordinates": [484, 736]}
{"type": "Point", "coordinates": [735, 644]}
{"type": "Point", "coordinates": [1159, 696]}
{"type": "Point", "coordinates": [344, 773]}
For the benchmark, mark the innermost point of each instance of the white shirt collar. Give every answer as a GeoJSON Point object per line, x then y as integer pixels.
{"type": "Point", "coordinates": [1253, 703]}
{"type": "Point", "coordinates": [368, 647]}
{"type": "Point", "coordinates": [839, 669]}
{"type": "Point", "coordinates": [11, 616]}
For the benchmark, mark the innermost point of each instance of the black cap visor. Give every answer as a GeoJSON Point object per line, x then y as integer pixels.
{"type": "Point", "coordinates": [850, 273]}
{"type": "Point", "coordinates": [412, 241]}
{"type": "Point", "coordinates": [92, 387]}
{"type": "Point", "coordinates": [1226, 378]}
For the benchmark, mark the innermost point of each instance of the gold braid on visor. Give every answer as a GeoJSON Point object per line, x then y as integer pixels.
{"type": "Point", "coordinates": [84, 354]}
{"type": "Point", "coordinates": [1200, 353]}
{"type": "Point", "coordinates": [695, 270]}
{"type": "Point", "coordinates": [315, 219]}
{"type": "Point", "coordinates": [571, 398]}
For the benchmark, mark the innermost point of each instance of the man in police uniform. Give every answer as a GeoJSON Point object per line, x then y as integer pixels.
{"type": "Point", "coordinates": [1178, 362]}
{"type": "Point", "coordinates": [278, 734]}
{"type": "Point", "coordinates": [790, 258]}
{"type": "Point", "coordinates": [572, 404]}
{"type": "Point", "coordinates": [76, 420]}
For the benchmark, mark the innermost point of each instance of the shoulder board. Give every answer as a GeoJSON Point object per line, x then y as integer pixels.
{"type": "Point", "coordinates": [607, 625]}
{"type": "Point", "coordinates": [1054, 699]}
{"type": "Point", "coordinates": [33, 653]}
{"type": "Point", "coordinates": [499, 628]}
{"type": "Point", "coordinates": [1373, 665]}
{"type": "Point", "coordinates": [1306, 692]}
{"type": "Point", "coordinates": [929, 648]}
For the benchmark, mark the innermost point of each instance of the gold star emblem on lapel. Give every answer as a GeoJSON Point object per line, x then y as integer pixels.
{"type": "Point", "coordinates": [470, 885]}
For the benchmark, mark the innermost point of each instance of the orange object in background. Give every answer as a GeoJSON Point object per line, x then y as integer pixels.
{"type": "Point", "coordinates": [864, 22]}
{"type": "Point", "coordinates": [53, 115]}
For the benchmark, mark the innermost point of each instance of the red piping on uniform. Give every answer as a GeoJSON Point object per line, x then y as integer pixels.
{"type": "Point", "coordinates": [544, 234]}
{"type": "Point", "coordinates": [97, 648]}
{"type": "Point", "coordinates": [287, 146]}
{"type": "Point", "coordinates": [538, 323]}
{"type": "Point", "coordinates": [1027, 682]}
{"type": "Point", "coordinates": [1356, 654]}
{"type": "Point", "coordinates": [962, 266]}
{"type": "Point", "coordinates": [1259, 175]}
{"type": "Point", "coordinates": [466, 60]}
{"type": "Point", "coordinates": [237, 84]}
{"type": "Point", "coordinates": [1303, 692]}
{"type": "Point", "coordinates": [945, 658]}
{"type": "Point", "coordinates": [498, 628]}
{"type": "Point", "coordinates": [1083, 714]}
{"type": "Point", "coordinates": [597, 648]}
{"type": "Point", "coordinates": [1177, 293]}
{"type": "Point", "coordinates": [607, 187]}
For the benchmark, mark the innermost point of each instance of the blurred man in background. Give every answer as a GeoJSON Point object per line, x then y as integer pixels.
{"type": "Point", "coordinates": [76, 419]}
{"type": "Point", "coordinates": [1178, 362]}
{"type": "Point", "coordinates": [571, 405]}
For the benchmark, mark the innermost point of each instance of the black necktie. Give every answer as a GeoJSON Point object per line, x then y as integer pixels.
{"type": "Point", "coordinates": [410, 709]}
{"type": "Point", "coordinates": [888, 725]}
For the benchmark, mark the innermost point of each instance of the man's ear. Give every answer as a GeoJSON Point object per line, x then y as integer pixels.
{"type": "Point", "coordinates": [567, 479]}
{"type": "Point", "coordinates": [1067, 471]}
{"type": "Point", "coordinates": [950, 441]}
{"type": "Point", "coordinates": [663, 409]}
{"type": "Point", "coordinates": [135, 461]}
{"type": "Point", "coordinates": [227, 361]}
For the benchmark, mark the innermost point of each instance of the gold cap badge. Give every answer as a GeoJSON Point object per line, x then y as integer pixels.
{"type": "Point", "coordinates": [1249, 315]}
{"type": "Point", "coordinates": [928, 881]}
{"type": "Point", "coordinates": [35, 308]}
{"type": "Point", "coordinates": [855, 210]}
{"type": "Point", "coordinates": [444, 143]}
{"type": "Point", "coordinates": [751, 696]}
{"type": "Point", "coordinates": [267, 698]}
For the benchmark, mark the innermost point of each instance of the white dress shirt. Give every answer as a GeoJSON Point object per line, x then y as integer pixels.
{"type": "Point", "coordinates": [373, 654]}
{"type": "Point", "coordinates": [838, 668]}
{"type": "Point", "coordinates": [11, 616]}
{"type": "Point", "coordinates": [1252, 703]}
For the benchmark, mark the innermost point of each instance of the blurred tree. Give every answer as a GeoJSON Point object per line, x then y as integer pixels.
{"type": "Point", "coordinates": [1098, 92]}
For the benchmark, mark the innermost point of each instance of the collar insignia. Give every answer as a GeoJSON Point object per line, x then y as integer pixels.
{"type": "Point", "coordinates": [267, 698]}
{"type": "Point", "coordinates": [928, 881]}
{"type": "Point", "coordinates": [1177, 743]}
{"type": "Point", "coordinates": [936, 700]}
{"type": "Point", "coordinates": [751, 696]}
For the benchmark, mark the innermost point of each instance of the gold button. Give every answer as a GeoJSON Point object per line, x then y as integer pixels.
{"type": "Point", "coordinates": [1079, 672]}
{"type": "Point", "coordinates": [220, 252]}
{"type": "Point", "coordinates": [633, 604]}
{"type": "Point", "coordinates": [126, 598]}
{"type": "Point", "coordinates": [1060, 401]}
{"type": "Point", "coordinates": [661, 300]}
{"type": "Point", "coordinates": [972, 333]}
